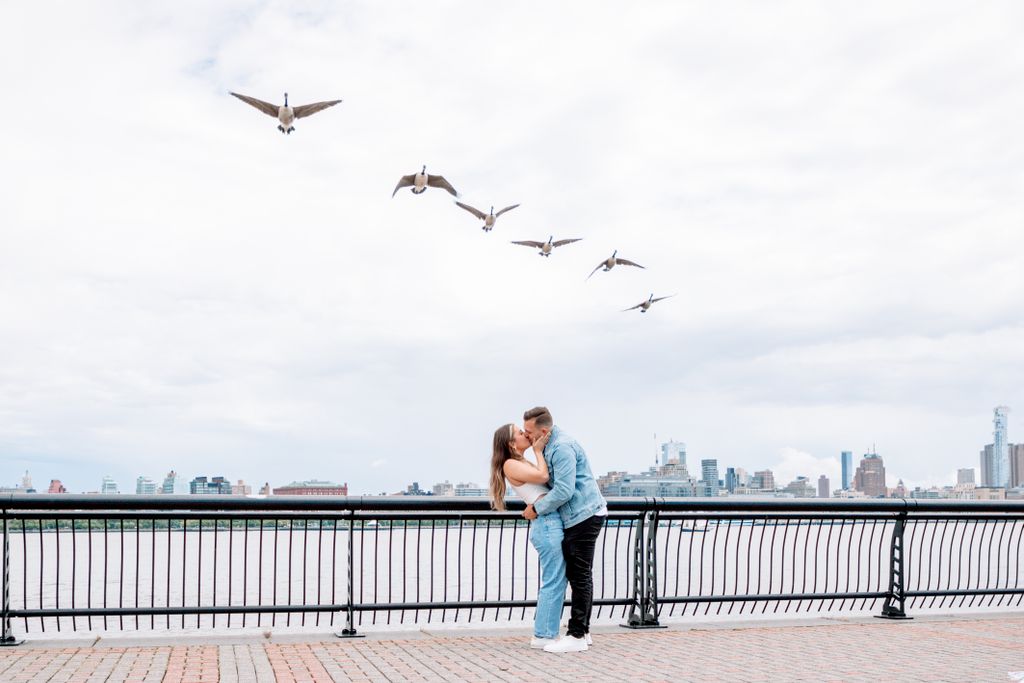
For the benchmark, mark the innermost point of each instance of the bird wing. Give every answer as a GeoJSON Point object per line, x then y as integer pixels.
{"type": "Point", "coordinates": [405, 181]}
{"type": "Point", "coordinates": [624, 262]}
{"type": "Point", "coordinates": [476, 212]}
{"type": "Point", "coordinates": [439, 181]}
{"type": "Point", "coordinates": [528, 243]}
{"type": "Point", "coordinates": [599, 266]}
{"type": "Point", "coordinates": [304, 110]}
{"type": "Point", "coordinates": [560, 243]}
{"type": "Point", "coordinates": [265, 107]}
{"type": "Point", "coordinates": [662, 298]}
{"type": "Point", "coordinates": [507, 208]}
{"type": "Point", "coordinates": [633, 308]}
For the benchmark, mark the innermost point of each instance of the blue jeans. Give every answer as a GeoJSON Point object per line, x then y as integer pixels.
{"type": "Point", "coordinates": [546, 535]}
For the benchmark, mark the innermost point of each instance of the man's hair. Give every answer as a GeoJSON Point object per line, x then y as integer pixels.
{"type": "Point", "coordinates": [541, 416]}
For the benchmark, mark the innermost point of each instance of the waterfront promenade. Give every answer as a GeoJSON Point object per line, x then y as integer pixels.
{"type": "Point", "coordinates": [989, 647]}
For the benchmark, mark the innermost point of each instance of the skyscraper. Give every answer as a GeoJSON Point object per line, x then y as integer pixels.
{"type": "Point", "coordinates": [763, 480]}
{"type": "Point", "coordinates": [173, 483]}
{"type": "Point", "coordinates": [709, 473]}
{"type": "Point", "coordinates": [824, 490]}
{"type": "Point", "coordinates": [965, 475]}
{"type": "Point", "coordinates": [109, 486]}
{"type": "Point", "coordinates": [673, 451]}
{"type": "Point", "coordinates": [1016, 464]}
{"type": "Point", "coordinates": [986, 465]}
{"type": "Point", "coordinates": [144, 486]}
{"type": "Point", "coordinates": [730, 479]}
{"type": "Point", "coordinates": [1000, 466]}
{"type": "Point", "coordinates": [846, 457]}
{"type": "Point", "coordinates": [870, 476]}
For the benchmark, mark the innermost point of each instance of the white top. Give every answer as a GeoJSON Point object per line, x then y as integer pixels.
{"type": "Point", "coordinates": [530, 492]}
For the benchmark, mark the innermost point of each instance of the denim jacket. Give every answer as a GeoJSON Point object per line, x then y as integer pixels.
{"type": "Point", "coordinates": [574, 491]}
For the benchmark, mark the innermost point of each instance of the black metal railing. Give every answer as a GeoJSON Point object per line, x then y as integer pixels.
{"type": "Point", "coordinates": [148, 562]}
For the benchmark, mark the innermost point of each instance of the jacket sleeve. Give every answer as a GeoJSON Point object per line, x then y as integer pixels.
{"type": "Point", "coordinates": [563, 462]}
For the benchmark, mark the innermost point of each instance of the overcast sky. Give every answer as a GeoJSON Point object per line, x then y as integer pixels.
{"type": "Point", "coordinates": [835, 192]}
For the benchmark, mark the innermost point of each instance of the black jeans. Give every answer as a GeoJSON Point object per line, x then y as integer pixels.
{"type": "Point", "coordinates": [578, 547]}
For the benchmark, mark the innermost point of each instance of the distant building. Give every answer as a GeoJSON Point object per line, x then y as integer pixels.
{"type": "Point", "coordinates": [241, 489]}
{"type": "Point", "coordinates": [109, 486]}
{"type": "Point", "coordinates": [986, 465]}
{"type": "Point", "coordinates": [26, 483]}
{"type": "Point", "coordinates": [173, 484]}
{"type": "Point", "coordinates": [870, 476]}
{"type": "Point", "coordinates": [445, 488]}
{"type": "Point", "coordinates": [763, 481]}
{"type": "Point", "coordinates": [205, 486]}
{"type": "Point", "coordinates": [965, 475]}
{"type": "Point", "coordinates": [56, 487]}
{"type": "Point", "coordinates": [1016, 465]}
{"type": "Point", "coordinates": [673, 453]}
{"type": "Point", "coordinates": [742, 477]}
{"type": "Point", "coordinates": [313, 487]}
{"type": "Point", "coordinates": [605, 482]}
{"type": "Point", "coordinates": [144, 486]}
{"type": "Point", "coordinates": [1000, 464]}
{"type": "Point", "coordinates": [731, 482]}
{"type": "Point", "coordinates": [709, 474]}
{"type": "Point", "coordinates": [265, 489]}
{"type": "Point", "coordinates": [824, 490]}
{"type": "Point", "coordinates": [989, 493]}
{"type": "Point", "coordinates": [800, 487]}
{"type": "Point", "coordinates": [846, 459]}
{"type": "Point", "coordinates": [900, 491]}
{"type": "Point", "coordinates": [471, 490]}
{"type": "Point", "coordinates": [414, 489]}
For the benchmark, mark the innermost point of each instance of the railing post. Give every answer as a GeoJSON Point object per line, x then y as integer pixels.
{"type": "Point", "coordinates": [350, 627]}
{"type": "Point", "coordinates": [7, 638]}
{"type": "Point", "coordinates": [643, 610]}
{"type": "Point", "coordinates": [895, 599]}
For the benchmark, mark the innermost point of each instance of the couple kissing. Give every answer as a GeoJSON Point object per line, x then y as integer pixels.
{"type": "Point", "coordinates": [567, 512]}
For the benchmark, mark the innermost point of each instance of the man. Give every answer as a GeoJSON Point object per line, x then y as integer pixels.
{"type": "Point", "coordinates": [574, 493]}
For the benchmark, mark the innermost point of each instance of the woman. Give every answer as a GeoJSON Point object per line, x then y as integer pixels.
{"type": "Point", "coordinates": [529, 481]}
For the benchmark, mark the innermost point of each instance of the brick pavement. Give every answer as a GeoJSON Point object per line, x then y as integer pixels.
{"type": "Point", "coordinates": [960, 649]}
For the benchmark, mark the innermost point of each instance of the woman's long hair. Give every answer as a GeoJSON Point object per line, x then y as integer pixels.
{"type": "Point", "coordinates": [503, 450]}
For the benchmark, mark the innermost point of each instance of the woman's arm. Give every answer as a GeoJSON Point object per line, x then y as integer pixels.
{"type": "Point", "coordinates": [526, 472]}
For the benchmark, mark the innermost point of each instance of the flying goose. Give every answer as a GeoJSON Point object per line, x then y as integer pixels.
{"type": "Point", "coordinates": [488, 218]}
{"type": "Point", "coordinates": [546, 247]}
{"type": "Point", "coordinates": [421, 181]}
{"type": "Point", "coordinates": [285, 113]}
{"type": "Point", "coordinates": [611, 262]}
{"type": "Point", "coordinates": [644, 305]}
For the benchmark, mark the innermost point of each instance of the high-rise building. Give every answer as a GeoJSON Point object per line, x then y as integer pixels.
{"type": "Point", "coordinates": [26, 483]}
{"type": "Point", "coordinates": [965, 475]}
{"type": "Point", "coordinates": [241, 489]}
{"type": "Point", "coordinates": [205, 485]}
{"type": "Point", "coordinates": [1016, 464]}
{"type": "Point", "coordinates": [763, 480]}
{"type": "Point", "coordinates": [1000, 466]}
{"type": "Point", "coordinates": [470, 489]}
{"type": "Point", "coordinates": [173, 483]}
{"type": "Point", "coordinates": [824, 491]}
{"type": "Point", "coordinates": [56, 486]}
{"type": "Point", "coordinates": [709, 473]}
{"type": "Point", "coordinates": [731, 481]}
{"type": "Point", "coordinates": [986, 465]}
{"type": "Point", "coordinates": [673, 452]}
{"type": "Point", "coordinates": [265, 489]}
{"type": "Point", "coordinates": [800, 487]}
{"type": "Point", "coordinates": [846, 459]}
{"type": "Point", "coordinates": [144, 486]}
{"type": "Point", "coordinates": [870, 476]}
{"type": "Point", "coordinates": [109, 486]}
{"type": "Point", "coordinates": [742, 477]}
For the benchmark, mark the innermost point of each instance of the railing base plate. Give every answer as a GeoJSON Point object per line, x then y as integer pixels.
{"type": "Point", "coordinates": [10, 642]}
{"type": "Point", "coordinates": [641, 626]}
{"type": "Point", "coordinates": [345, 633]}
{"type": "Point", "coordinates": [895, 617]}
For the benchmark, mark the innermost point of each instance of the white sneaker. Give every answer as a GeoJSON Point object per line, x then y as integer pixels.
{"type": "Point", "coordinates": [567, 644]}
{"type": "Point", "coordinates": [590, 641]}
{"type": "Point", "coordinates": [540, 643]}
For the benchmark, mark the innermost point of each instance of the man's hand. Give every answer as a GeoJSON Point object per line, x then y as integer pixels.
{"type": "Point", "coordinates": [529, 512]}
{"type": "Point", "coordinates": [540, 442]}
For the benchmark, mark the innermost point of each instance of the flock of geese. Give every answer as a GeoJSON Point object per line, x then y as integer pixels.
{"type": "Point", "coordinates": [419, 182]}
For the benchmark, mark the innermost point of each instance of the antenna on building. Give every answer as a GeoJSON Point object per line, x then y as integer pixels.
{"type": "Point", "coordinates": [655, 449]}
